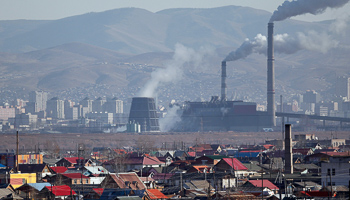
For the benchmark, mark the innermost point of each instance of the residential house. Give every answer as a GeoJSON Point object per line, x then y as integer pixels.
{"type": "Point", "coordinates": [337, 170]}
{"type": "Point", "coordinates": [261, 184]}
{"type": "Point", "coordinates": [58, 170]}
{"type": "Point", "coordinates": [31, 190]}
{"type": "Point", "coordinates": [71, 179]}
{"type": "Point", "coordinates": [18, 179]}
{"type": "Point", "coordinates": [57, 192]}
{"type": "Point", "coordinates": [7, 194]}
{"type": "Point", "coordinates": [154, 194]}
{"type": "Point", "coordinates": [199, 169]}
{"type": "Point", "coordinates": [209, 160]}
{"type": "Point", "coordinates": [41, 170]}
{"type": "Point", "coordinates": [232, 165]}
{"type": "Point", "coordinates": [73, 161]}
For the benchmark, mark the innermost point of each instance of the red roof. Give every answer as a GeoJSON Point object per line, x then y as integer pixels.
{"type": "Point", "coordinates": [59, 170]}
{"type": "Point", "coordinates": [266, 183]}
{"type": "Point", "coordinates": [268, 146]}
{"type": "Point", "coordinates": [192, 154]}
{"type": "Point", "coordinates": [235, 164]}
{"type": "Point", "coordinates": [155, 194]}
{"type": "Point", "coordinates": [99, 191]}
{"type": "Point", "coordinates": [120, 151]}
{"type": "Point", "coordinates": [73, 160]}
{"type": "Point", "coordinates": [318, 193]}
{"type": "Point", "coordinates": [152, 160]}
{"type": "Point", "coordinates": [75, 175]}
{"type": "Point", "coordinates": [61, 190]}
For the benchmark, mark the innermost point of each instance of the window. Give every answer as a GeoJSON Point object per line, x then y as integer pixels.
{"type": "Point", "coordinates": [333, 172]}
{"type": "Point", "coordinates": [87, 181]}
{"type": "Point", "coordinates": [75, 181]}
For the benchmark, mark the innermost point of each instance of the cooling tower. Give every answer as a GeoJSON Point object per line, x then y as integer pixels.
{"type": "Point", "coordinates": [143, 111]}
{"type": "Point", "coordinates": [270, 76]}
{"type": "Point", "coordinates": [223, 81]}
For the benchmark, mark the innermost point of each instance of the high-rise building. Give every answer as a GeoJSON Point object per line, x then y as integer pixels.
{"type": "Point", "coordinates": [113, 106]}
{"type": "Point", "coordinates": [97, 105]}
{"type": "Point", "coordinates": [87, 103]}
{"type": "Point", "coordinates": [342, 88]}
{"type": "Point", "coordinates": [55, 108]}
{"type": "Point", "coordinates": [311, 96]}
{"type": "Point", "coordinates": [40, 99]}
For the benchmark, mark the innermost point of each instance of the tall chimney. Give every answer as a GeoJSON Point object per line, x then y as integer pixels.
{"type": "Point", "coordinates": [270, 76]}
{"type": "Point", "coordinates": [288, 157]}
{"type": "Point", "coordinates": [223, 81]}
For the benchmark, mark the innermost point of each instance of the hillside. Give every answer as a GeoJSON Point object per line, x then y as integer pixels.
{"type": "Point", "coordinates": [113, 53]}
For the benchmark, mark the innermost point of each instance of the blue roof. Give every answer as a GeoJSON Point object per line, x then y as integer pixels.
{"type": "Point", "coordinates": [39, 186]}
{"type": "Point", "coordinates": [1, 165]}
{"type": "Point", "coordinates": [247, 154]}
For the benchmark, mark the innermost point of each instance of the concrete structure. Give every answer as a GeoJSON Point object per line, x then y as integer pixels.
{"type": "Point", "coordinates": [143, 111]}
{"type": "Point", "coordinates": [270, 76]}
{"type": "Point", "coordinates": [7, 112]}
{"type": "Point", "coordinates": [55, 108]}
{"type": "Point", "coordinates": [113, 106]}
{"type": "Point", "coordinates": [101, 117]}
{"type": "Point", "coordinates": [342, 88]}
{"type": "Point", "coordinates": [97, 105]}
{"type": "Point", "coordinates": [26, 120]}
{"type": "Point", "coordinates": [288, 168]}
{"type": "Point", "coordinates": [87, 103]}
{"type": "Point", "coordinates": [39, 98]}
{"type": "Point", "coordinates": [223, 81]}
{"type": "Point", "coordinates": [337, 170]}
{"type": "Point", "coordinates": [311, 96]}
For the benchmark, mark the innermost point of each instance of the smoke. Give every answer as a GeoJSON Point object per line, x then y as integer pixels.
{"type": "Point", "coordinates": [298, 7]}
{"type": "Point", "coordinates": [171, 118]}
{"type": "Point", "coordinates": [247, 47]}
{"type": "Point", "coordinates": [286, 44]}
{"type": "Point", "coordinates": [173, 70]}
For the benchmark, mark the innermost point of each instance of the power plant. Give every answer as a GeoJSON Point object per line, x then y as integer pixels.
{"type": "Point", "coordinates": [223, 115]}
{"type": "Point", "coordinates": [218, 114]}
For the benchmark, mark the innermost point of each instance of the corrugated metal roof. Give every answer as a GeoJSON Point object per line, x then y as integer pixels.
{"type": "Point", "coordinates": [155, 194]}
{"type": "Point", "coordinates": [264, 183]}
{"type": "Point", "coordinates": [235, 164]}
{"type": "Point", "coordinates": [97, 169]}
{"type": "Point", "coordinates": [59, 170]}
{"type": "Point", "coordinates": [61, 190]}
{"type": "Point", "coordinates": [39, 186]}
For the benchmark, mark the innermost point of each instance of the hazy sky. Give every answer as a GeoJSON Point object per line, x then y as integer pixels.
{"type": "Point", "coordinates": [56, 9]}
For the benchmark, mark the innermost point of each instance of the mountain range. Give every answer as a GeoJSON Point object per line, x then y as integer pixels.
{"type": "Point", "coordinates": [113, 53]}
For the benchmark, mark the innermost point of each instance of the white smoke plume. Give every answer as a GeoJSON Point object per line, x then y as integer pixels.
{"type": "Point", "coordinates": [173, 70]}
{"type": "Point", "coordinates": [171, 118]}
{"type": "Point", "coordinates": [286, 44]}
{"type": "Point", "coordinates": [298, 7]}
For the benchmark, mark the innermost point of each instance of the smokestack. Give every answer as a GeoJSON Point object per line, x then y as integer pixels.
{"type": "Point", "coordinates": [288, 161]}
{"type": "Point", "coordinates": [223, 81]}
{"type": "Point", "coordinates": [270, 76]}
